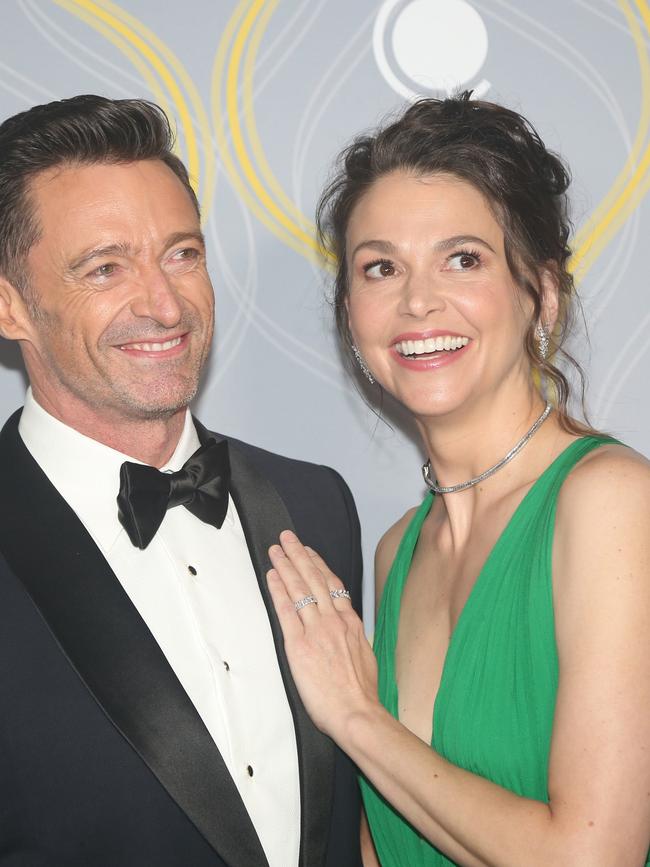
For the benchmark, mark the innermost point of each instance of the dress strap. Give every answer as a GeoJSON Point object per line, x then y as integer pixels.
{"type": "Point", "coordinates": [553, 477]}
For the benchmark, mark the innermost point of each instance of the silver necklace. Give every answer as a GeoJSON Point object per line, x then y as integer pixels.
{"type": "Point", "coordinates": [439, 489]}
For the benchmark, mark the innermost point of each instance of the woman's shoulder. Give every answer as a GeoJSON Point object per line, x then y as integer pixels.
{"type": "Point", "coordinates": [610, 473]}
{"type": "Point", "coordinates": [603, 515]}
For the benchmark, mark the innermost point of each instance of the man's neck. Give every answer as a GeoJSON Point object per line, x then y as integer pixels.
{"type": "Point", "coordinates": [150, 440]}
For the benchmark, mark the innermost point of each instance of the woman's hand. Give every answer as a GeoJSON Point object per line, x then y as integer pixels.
{"type": "Point", "coordinates": [331, 661]}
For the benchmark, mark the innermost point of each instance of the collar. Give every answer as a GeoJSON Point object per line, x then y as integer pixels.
{"type": "Point", "coordinates": [86, 472]}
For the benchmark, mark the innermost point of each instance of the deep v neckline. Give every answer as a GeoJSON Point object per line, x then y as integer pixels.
{"type": "Point", "coordinates": [469, 603]}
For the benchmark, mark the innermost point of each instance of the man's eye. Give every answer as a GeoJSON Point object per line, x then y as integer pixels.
{"type": "Point", "coordinates": [379, 269]}
{"type": "Point", "coordinates": [187, 253]}
{"type": "Point", "coordinates": [105, 270]}
{"type": "Point", "coordinates": [464, 260]}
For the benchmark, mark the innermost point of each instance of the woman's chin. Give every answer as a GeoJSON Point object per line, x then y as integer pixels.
{"type": "Point", "coordinates": [430, 406]}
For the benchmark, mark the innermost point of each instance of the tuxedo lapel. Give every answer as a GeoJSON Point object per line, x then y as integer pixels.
{"type": "Point", "coordinates": [109, 645]}
{"type": "Point", "coordinates": [264, 515]}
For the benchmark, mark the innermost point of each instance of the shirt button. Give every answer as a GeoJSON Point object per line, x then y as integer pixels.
{"type": "Point", "coordinates": [249, 769]}
{"type": "Point", "coordinates": [226, 666]}
{"type": "Point", "coordinates": [191, 570]}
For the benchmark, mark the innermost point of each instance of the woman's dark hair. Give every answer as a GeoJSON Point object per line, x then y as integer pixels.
{"type": "Point", "coordinates": [499, 153]}
{"type": "Point", "coordinates": [82, 130]}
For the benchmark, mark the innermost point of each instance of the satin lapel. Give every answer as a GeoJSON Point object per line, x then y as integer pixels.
{"type": "Point", "coordinates": [112, 650]}
{"type": "Point", "coordinates": [264, 515]}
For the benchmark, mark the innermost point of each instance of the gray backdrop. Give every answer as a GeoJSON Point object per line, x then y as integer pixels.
{"type": "Point", "coordinates": [265, 92]}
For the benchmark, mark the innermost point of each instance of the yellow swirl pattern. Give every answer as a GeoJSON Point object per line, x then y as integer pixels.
{"type": "Point", "coordinates": [283, 220]}
{"type": "Point", "coordinates": [253, 15]}
{"type": "Point", "coordinates": [143, 47]}
{"type": "Point", "coordinates": [123, 46]}
{"type": "Point", "coordinates": [240, 145]}
{"type": "Point", "coordinates": [251, 127]}
{"type": "Point", "coordinates": [195, 101]}
{"type": "Point", "coordinates": [631, 184]}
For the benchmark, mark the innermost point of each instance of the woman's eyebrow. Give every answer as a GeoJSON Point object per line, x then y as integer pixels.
{"type": "Point", "coordinates": [375, 244]}
{"type": "Point", "coordinates": [458, 240]}
{"type": "Point", "coordinates": [439, 247]}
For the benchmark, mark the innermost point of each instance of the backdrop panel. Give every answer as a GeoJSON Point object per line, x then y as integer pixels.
{"type": "Point", "coordinates": [265, 92]}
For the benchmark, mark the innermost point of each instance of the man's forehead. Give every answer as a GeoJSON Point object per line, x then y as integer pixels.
{"type": "Point", "coordinates": [83, 206]}
{"type": "Point", "coordinates": [107, 178]}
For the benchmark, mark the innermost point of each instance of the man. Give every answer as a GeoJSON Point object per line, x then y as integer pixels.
{"type": "Point", "coordinates": [148, 713]}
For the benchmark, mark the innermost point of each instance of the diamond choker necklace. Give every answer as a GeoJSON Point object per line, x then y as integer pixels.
{"type": "Point", "coordinates": [439, 489]}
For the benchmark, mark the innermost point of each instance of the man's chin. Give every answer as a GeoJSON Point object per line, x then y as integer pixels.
{"type": "Point", "coordinates": [158, 405]}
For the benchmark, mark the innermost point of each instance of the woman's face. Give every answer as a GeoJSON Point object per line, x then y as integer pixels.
{"type": "Point", "coordinates": [432, 305]}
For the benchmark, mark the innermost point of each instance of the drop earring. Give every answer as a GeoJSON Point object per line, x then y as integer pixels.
{"type": "Point", "coordinates": [543, 342]}
{"type": "Point", "coordinates": [363, 367]}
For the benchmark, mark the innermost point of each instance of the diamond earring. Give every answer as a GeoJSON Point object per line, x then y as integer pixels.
{"type": "Point", "coordinates": [362, 364]}
{"type": "Point", "coordinates": [543, 344]}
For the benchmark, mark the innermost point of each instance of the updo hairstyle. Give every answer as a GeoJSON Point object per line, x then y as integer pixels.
{"type": "Point", "coordinates": [501, 155]}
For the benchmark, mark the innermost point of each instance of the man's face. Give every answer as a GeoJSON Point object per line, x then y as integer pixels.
{"type": "Point", "coordinates": [125, 307]}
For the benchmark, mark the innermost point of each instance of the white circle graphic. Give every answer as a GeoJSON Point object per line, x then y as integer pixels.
{"type": "Point", "coordinates": [438, 45]}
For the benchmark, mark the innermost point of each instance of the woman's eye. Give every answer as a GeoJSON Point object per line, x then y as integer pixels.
{"type": "Point", "coordinates": [377, 270]}
{"type": "Point", "coordinates": [463, 261]}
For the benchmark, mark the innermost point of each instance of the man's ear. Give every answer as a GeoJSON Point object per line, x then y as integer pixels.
{"type": "Point", "coordinates": [549, 285]}
{"type": "Point", "coordinates": [15, 321]}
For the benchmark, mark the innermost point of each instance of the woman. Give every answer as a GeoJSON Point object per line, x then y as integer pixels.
{"type": "Point", "coordinates": [509, 723]}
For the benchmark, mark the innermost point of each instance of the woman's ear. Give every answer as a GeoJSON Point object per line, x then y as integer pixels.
{"type": "Point", "coordinates": [549, 296]}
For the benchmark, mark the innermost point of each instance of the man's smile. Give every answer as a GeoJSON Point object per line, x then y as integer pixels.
{"type": "Point", "coordinates": [169, 346]}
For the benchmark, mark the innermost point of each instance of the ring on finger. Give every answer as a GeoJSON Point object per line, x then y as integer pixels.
{"type": "Point", "coordinates": [341, 593]}
{"type": "Point", "coordinates": [306, 600]}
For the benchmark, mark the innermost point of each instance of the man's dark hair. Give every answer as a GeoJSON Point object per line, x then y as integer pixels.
{"type": "Point", "coordinates": [82, 130]}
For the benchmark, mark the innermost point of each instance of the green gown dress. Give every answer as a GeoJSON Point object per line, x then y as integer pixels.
{"type": "Point", "coordinates": [493, 714]}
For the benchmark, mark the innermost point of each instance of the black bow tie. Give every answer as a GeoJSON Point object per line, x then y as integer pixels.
{"type": "Point", "coordinates": [201, 485]}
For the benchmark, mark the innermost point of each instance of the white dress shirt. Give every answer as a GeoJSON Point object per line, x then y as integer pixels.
{"type": "Point", "coordinates": [195, 588]}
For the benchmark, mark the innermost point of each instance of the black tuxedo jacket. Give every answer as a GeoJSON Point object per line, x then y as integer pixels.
{"type": "Point", "coordinates": [104, 761]}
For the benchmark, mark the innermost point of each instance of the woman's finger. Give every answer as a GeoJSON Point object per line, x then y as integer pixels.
{"type": "Point", "coordinates": [299, 591]}
{"type": "Point", "coordinates": [305, 566]}
{"type": "Point", "coordinates": [337, 590]}
{"type": "Point", "coordinates": [290, 623]}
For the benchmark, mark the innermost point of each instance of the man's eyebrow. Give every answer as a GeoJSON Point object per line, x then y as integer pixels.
{"type": "Point", "coordinates": [179, 237]}
{"type": "Point", "coordinates": [123, 248]}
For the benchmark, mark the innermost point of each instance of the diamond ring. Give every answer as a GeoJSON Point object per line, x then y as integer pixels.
{"type": "Point", "coordinates": [306, 600]}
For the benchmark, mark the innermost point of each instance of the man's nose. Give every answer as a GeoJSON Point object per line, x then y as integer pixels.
{"type": "Point", "coordinates": [157, 298]}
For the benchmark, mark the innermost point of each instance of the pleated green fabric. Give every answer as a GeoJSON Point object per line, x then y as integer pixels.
{"type": "Point", "coordinates": [493, 714]}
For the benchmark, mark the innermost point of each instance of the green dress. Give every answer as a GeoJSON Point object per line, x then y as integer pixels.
{"type": "Point", "coordinates": [493, 714]}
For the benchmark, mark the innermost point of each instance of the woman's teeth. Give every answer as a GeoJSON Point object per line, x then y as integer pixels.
{"type": "Point", "coordinates": [431, 344]}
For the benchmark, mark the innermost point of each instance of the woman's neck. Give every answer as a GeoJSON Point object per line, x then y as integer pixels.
{"type": "Point", "coordinates": [463, 444]}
